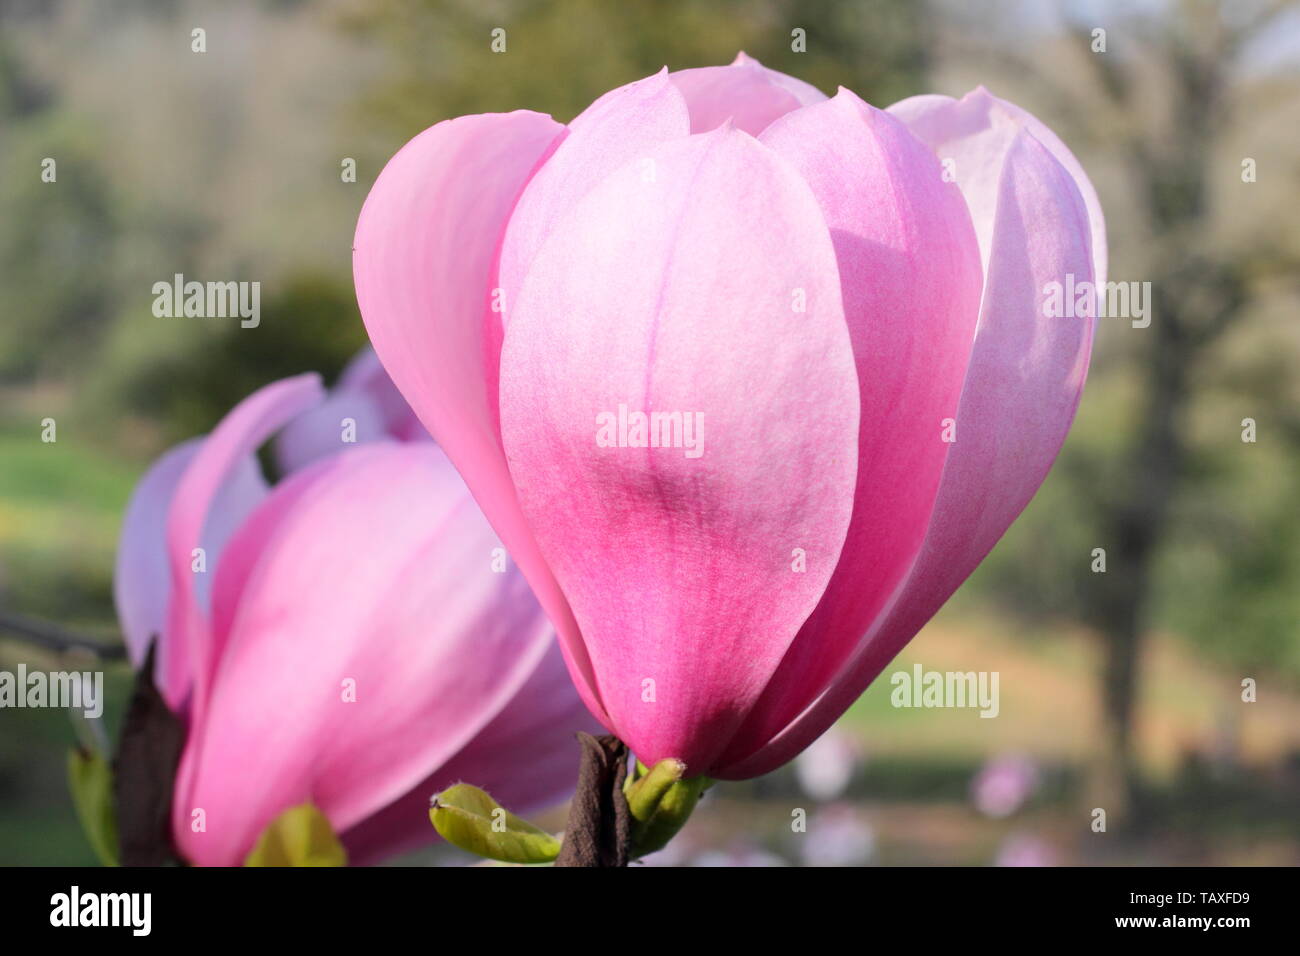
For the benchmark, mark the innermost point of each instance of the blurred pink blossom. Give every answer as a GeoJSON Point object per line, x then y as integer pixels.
{"type": "Point", "coordinates": [340, 638]}
{"type": "Point", "coordinates": [1004, 784]}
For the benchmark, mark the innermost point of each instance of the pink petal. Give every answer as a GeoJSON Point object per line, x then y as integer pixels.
{"type": "Point", "coordinates": [1020, 394]}
{"type": "Point", "coordinates": [622, 126]}
{"type": "Point", "coordinates": [527, 758]}
{"type": "Point", "coordinates": [319, 432]}
{"type": "Point", "coordinates": [910, 272]}
{"type": "Point", "coordinates": [678, 295]}
{"type": "Point", "coordinates": [183, 656]}
{"type": "Point", "coordinates": [366, 395]}
{"type": "Point", "coordinates": [141, 579]}
{"type": "Point", "coordinates": [141, 584]}
{"type": "Point", "coordinates": [804, 92]}
{"type": "Point", "coordinates": [974, 127]}
{"type": "Point", "coordinates": [424, 258]}
{"type": "Point", "coordinates": [372, 566]}
{"type": "Point", "coordinates": [747, 93]}
{"type": "Point", "coordinates": [366, 373]}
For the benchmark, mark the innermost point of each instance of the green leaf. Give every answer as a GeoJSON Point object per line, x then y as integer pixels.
{"type": "Point", "coordinates": [469, 818]}
{"type": "Point", "coordinates": [300, 836]}
{"type": "Point", "coordinates": [91, 783]}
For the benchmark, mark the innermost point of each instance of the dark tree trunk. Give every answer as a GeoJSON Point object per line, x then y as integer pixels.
{"type": "Point", "coordinates": [1154, 465]}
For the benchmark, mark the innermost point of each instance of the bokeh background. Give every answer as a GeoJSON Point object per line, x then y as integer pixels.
{"type": "Point", "coordinates": [1119, 689]}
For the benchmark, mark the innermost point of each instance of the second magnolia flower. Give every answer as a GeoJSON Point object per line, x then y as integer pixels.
{"type": "Point", "coordinates": [350, 637]}
{"type": "Point", "coordinates": [838, 290]}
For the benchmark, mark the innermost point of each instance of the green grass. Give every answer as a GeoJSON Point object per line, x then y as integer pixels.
{"type": "Point", "coordinates": [61, 506]}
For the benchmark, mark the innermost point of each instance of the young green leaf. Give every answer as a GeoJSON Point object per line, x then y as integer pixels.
{"type": "Point", "coordinates": [91, 783]}
{"type": "Point", "coordinates": [300, 836]}
{"type": "Point", "coordinates": [469, 818]}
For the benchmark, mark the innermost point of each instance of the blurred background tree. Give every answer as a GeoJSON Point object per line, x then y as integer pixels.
{"type": "Point", "coordinates": [1198, 526]}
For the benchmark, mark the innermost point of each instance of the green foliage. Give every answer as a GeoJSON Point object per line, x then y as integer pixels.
{"type": "Point", "coordinates": [1230, 578]}
{"type": "Point", "coordinates": [90, 780]}
{"type": "Point", "coordinates": [55, 249]}
{"type": "Point", "coordinates": [469, 818]}
{"type": "Point", "coordinates": [60, 509]}
{"type": "Point", "coordinates": [300, 836]}
{"type": "Point", "coordinates": [308, 324]}
{"type": "Point", "coordinates": [560, 56]}
{"type": "Point", "coordinates": [660, 803]}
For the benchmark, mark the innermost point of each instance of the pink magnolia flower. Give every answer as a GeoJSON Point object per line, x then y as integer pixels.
{"type": "Point", "coordinates": [816, 297]}
{"type": "Point", "coordinates": [341, 638]}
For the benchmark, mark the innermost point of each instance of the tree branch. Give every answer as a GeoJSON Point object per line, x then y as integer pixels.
{"type": "Point", "coordinates": [56, 638]}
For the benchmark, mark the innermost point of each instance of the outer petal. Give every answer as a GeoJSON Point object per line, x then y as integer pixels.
{"type": "Point", "coordinates": [141, 581]}
{"type": "Point", "coordinates": [804, 92]}
{"type": "Point", "coordinates": [210, 502]}
{"type": "Point", "coordinates": [1021, 391]}
{"type": "Point", "coordinates": [319, 432]}
{"type": "Point", "coordinates": [526, 757]}
{"type": "Point", "coordinates": [366, 395]}
{"type": "Point", "coordinates": [366, 373]}
{"type": "Point", "coordinates": [424, 256]}
{"type": "Point", "coordinates": [622, 126]}
{"type": "Point", "coordinates": [680, 295]}
{"type": "Point", "coordinates": [974, 128]}
{"type": "Point", "coordinates": [373, 567]}
{"type": "Point", "coordinates": [747, 93]}
{"type": "Point", "coordinates": [910, 272]}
